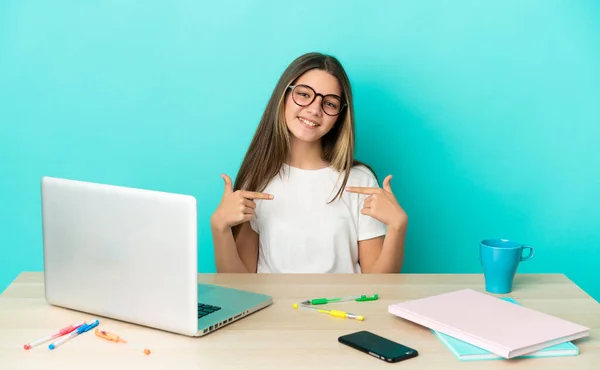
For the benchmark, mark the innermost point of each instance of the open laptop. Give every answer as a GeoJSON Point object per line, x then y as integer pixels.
{"type": "Point", "coordinates": [132, 255]}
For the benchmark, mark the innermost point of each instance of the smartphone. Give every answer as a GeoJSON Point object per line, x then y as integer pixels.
{"type": "Point", "coordinates": [377, 346]}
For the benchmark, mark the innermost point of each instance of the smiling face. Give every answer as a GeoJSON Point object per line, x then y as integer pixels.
{"type": "Point", "coordinates": [310, 123]}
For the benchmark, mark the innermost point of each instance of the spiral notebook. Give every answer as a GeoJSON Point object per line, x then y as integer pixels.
{"type": "Point", "coordinates": [468, 352]}
{"type": "Point", "coordinates": [485, 321]}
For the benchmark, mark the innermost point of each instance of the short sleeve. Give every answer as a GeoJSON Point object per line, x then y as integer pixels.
{"type": "Point", "coordinates": [369, 227]}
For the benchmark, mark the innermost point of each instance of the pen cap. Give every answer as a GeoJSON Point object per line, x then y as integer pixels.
{"type": "Point", "coordinates": [108, 336]}
{"type": "Point", "coordinates": [364, 298]}
{"type": "Point", "coordinates": [89, 326]}
{"type": "Point", "coordinates": [82, 328]}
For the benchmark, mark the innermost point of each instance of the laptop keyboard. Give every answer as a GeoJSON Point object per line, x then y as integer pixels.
{"type": "Point", "coordinates": [205, 309]}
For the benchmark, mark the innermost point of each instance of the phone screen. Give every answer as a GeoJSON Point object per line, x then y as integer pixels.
{"type": "Point", "coordinates": [378, 346]}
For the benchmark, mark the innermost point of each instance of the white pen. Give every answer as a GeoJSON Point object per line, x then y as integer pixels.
{"type": "Point", "coordinates": [82, 329]}
{"type": "Point", "coordinates": [60, 333]}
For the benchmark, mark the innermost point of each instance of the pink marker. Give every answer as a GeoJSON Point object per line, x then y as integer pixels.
{"type": "Point", "coordinates": [60, 333]}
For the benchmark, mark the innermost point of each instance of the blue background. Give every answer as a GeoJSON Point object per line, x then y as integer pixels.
{"type": "Point", "coordinates": [486, 113]}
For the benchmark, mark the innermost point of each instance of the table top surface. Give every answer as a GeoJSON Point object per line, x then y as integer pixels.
{"type": "Point", "coordinates": [279, 337]}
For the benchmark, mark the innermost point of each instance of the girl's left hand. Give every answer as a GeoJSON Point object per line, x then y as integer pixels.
{"type": "Point", "coordinates": [381, 204]}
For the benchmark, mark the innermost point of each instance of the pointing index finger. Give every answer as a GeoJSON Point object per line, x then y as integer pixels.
{"type": "Point", "coordinates": [255, 195]}
{"type": "Point", "coordinates": [362, 190]}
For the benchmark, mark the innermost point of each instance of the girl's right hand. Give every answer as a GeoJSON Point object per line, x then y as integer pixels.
{"type": "Point", "coordinates": [236, 207]}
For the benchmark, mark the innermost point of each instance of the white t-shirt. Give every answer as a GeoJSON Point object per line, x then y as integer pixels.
{"type": "Point", "coordinates": [299, 232]}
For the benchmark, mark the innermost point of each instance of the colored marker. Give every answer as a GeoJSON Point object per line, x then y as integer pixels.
{"type": "Point", "coordinates": [109, 336]}
{"type": "Point", "coordinates": [60, 333]}
{"type": "Point", "coordinates": [336, 313]}
{"type": "Point", "coordinates": [115, 338]}
{"type": "Point", "coordinates": [357, 298]}
{"type": "Point", "coordinates": [82, 329]}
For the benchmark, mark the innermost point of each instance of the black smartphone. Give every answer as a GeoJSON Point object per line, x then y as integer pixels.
{"type": "Point", "coordinates": [377, 346]}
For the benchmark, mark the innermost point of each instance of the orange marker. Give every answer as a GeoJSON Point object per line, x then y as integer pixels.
{"type": "Point", "coordinates": [114, 338]}
{"type": "Point", "coordinates": [109, 336]}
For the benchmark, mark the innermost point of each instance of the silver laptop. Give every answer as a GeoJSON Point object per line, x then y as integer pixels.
{"type": "Point", "coordinates": [132, 255]}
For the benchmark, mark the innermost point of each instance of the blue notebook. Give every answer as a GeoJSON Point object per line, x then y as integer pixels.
{"type": "Point", "coordinates": [468, 352]}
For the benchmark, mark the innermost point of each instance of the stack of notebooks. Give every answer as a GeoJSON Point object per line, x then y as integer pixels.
{"type": "Point", "coordinates": [478, 326]}
{"type": "Point", "coordinates": [468, 352]}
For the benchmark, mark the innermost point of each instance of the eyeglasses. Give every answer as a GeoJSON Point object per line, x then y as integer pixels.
{"type": "Point", "coordinates": [304, 95]}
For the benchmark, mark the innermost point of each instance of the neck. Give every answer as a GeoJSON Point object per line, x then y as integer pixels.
{"type": "Point", "coordinates": [304, 155]}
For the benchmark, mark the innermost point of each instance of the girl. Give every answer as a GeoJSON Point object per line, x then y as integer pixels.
{"type": "Point", "coordinates": [301, 202]}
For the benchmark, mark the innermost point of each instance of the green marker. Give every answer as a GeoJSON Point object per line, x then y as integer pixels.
{"type": "Point", "coordinates": [358, 298]}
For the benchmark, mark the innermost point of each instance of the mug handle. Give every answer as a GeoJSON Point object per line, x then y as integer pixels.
{"type": "Point", "coordinates": [530, 255]}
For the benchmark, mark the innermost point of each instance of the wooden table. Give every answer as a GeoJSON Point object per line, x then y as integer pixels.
{"type": "Point", "coordinates": [280, 337]}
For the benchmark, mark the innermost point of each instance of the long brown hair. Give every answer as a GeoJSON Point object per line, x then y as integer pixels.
{"type": "Point", "coordinates": [271, 142]}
